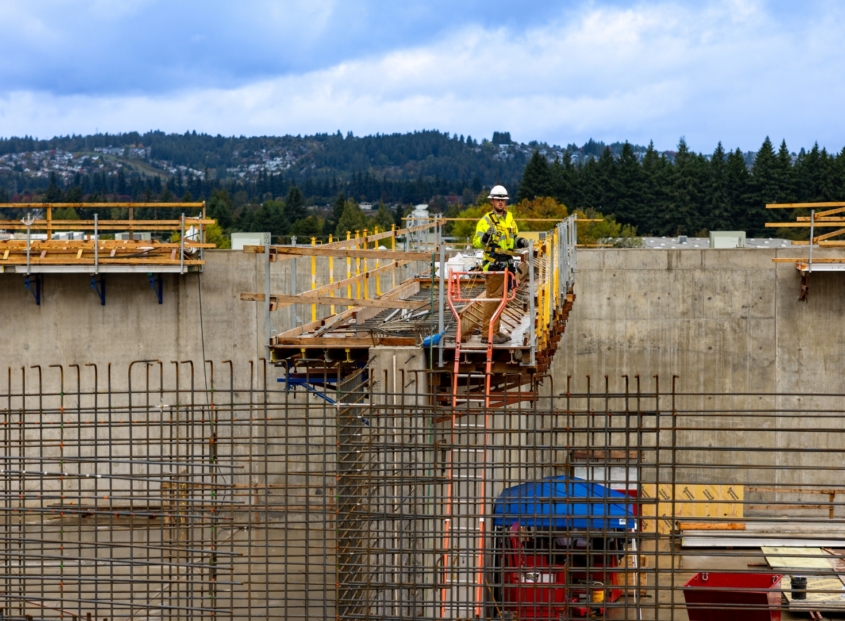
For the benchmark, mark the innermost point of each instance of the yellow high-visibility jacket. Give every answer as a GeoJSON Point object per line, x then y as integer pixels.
{"type": "Point", "coordinates": [504, 236]}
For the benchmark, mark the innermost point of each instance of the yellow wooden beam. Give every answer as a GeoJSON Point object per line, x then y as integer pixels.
{"type": "Point", "coordinates": [819, 238]}
{"type": "Point", "coordinates": [96, 205]}
{"type": "Point", "coordinates": [821, 214]}
{"type": "Point", "coordinates": [284, 300]}
{"type": "Point", "coordinates": [103, 225]}
{"type": "Point", "coordinates": [804, 205]}
{"type": "Point", "coordinates": [47, 260]}
{"type": "Point", "coordinates": [323, 251]}
{"type": "Point", "coordinates": [820, 260]}
{"type": "Point", "coordinates": [305, 298]}
{"type": "Point", "coordinates": [805, 225]}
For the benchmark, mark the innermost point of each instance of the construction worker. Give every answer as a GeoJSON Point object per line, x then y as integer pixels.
{"type": "Point", "coordinates": [496, 233]}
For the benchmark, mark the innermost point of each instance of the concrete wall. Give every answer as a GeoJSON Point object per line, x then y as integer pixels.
{"type": "Point", "coordinates": [72, 327]}
{"type": "Point", "coordinates": [722, 320]}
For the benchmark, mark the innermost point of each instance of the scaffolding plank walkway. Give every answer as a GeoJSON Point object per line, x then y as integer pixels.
{"type": "Point", "coordinates": [44, 245]}
{"type": "Point", "coordinates": [412, 310]}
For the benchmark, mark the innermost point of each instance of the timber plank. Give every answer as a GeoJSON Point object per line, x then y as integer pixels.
{"type": "Point", "coordinates": [341, 343]}
{"type": "Point", "coordinates": [321, 251]}
{"type": "Point", "coordinates": [803, 205]}
{"type": "Point", "coordinates": [329, 301]}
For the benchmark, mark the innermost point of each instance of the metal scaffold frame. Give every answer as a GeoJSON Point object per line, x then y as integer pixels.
{"type": "Point", "coordinates": [95, 255]}
{"type": "Point", "coordinates": [182, 490]}
{"type": "Point", "coordinates": [412, 309]}
{"type": "Point", "coordinates": [829, 217]}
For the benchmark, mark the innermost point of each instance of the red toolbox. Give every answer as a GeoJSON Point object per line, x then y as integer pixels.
{"type": "Point", "coordinates": [725, 596]}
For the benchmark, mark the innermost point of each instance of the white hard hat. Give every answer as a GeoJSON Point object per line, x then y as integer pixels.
{"type": "Point", "coordinates": [498, 191]}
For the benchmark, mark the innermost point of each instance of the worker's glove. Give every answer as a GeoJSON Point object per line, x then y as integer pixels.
{"type": "Point", "coordinates": [521, 242]}
{"type": "Point", "coordinates": [486, 237]}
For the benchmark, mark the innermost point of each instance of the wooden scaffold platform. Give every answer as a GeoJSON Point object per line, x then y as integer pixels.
{"type": "Point", "coordinates": [831, 216]}
{"type": "Point", "coordinates": [38, 244]}
{"type": "Point", "coordinates": [402, 301]}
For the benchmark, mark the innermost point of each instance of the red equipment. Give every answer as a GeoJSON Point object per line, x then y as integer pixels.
{"type": "Point", "coordinates": [559, 575]}
{"type": "Point", "coordinates": [729, 596]}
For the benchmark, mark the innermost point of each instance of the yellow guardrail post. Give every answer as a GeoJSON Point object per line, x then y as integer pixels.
{"type": "Point", "coordinates": [331, 275]}
{"type": "Point", "coordinates": [357, 269]}
{"type": "Point", "coordinates": [313, 279]}
{"type": "Point", "coordinates": [549, 280]}
{"type": "Point", "coordinates": [348, 269]}
{"type": "Point", "coordinates": [556, 262]}
{"type": "Point", "coordinates": [366, 267]}
{"type": "Point", "coordinates": [393, 247]}
{"type": "Point", "coordinates": [378, 264]}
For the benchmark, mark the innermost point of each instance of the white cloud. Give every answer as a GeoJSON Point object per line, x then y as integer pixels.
{"type": "Point", "coordinates": [722, 71]}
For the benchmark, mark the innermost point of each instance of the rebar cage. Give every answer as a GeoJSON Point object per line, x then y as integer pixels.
{"type": "Point", "coordinates": [182, 490]}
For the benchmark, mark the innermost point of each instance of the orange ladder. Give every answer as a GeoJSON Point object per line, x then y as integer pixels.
{"type": "Point", "coordinates": [454, 297]}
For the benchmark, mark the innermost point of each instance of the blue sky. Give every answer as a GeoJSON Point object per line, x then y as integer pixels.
{"type": "Point", "coordinates": [710, 70]}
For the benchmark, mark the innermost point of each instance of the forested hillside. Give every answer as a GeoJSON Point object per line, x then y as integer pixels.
{"type": "Point", "coordinates": [308, 185]}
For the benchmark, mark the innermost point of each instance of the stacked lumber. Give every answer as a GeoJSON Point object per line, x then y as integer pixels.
{"type": "Point", "coordinates": [114, 252]}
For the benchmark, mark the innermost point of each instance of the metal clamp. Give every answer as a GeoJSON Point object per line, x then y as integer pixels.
{"type": "Point", "coordinates": [99, 287]}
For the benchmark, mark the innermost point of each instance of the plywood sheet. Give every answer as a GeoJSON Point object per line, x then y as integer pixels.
{"type": "Point", "coordinates": [782, 558]}
{"type": "Point", "coordinates": [689, 502]}
{"type": "Point", "coordinates": [823, 593]}
{"type": "Point", "coordinates": [740, 539]}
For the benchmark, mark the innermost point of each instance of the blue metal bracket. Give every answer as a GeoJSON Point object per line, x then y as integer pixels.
{"type": "Point", "coordinates": [33, 284]}
{"type": "Point", "coordinates": [308, 382]}
{"type": "Point", "coordinates": [99, 287]}
{"type": "Point", "coordinates": [155, 285]}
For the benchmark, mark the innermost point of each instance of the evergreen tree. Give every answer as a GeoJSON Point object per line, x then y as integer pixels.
{"type": "Point", "coordinates": [352, 219]}
{"type": "Point", "coordinates": [536, 179]}
{"type": "Point", "coordinates": [269, 218]}
{"type": "Point", "coordinates": [306, 228]}
{"type": "Point", "coordinates": [738, 181]}
{"type": "Point", "coordinates": [121, 187]}
{"type": "Point", "coordinates": [280, 224]}
{"type": "Point", "coordinates": [654, 203]}
{"type": "Point", "coordinates": [295, 205]}
{"type": "Point", "coordinates": [590, 192]}
{"type": "Point", "coordinates": [717, 208]}
{"type": "Point", "coordinates": [242, 221]}
{"type": "Point", "coordinates": [337, 212]}
{"type": "Point", "coordinates": [54, 194]}
{"type": "Point", "coordinates": [828, 173]}
{"type": "Point", "coordinates": [785, 176]}
{"type": "Point", "coordinates": [764, 188]}
{"type": "Point", "coordinates": [383, 218]}
{"type": "Point", "coordinates": [839, 172]}
{"type": "Point", "coordinates": [684, 204]}
{"type": "Point", "coordinates": [804, 171]}
{"type": "Point", "coordinates": [787, 190]}
{"type": "Point", "coordinates": [220, 208]}
{"type": "Point", "coordinates": [628, 186]}
{"type": "Point", "coordinates": [563, 180]}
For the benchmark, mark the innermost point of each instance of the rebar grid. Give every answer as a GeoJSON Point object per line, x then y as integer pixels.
{"type": "Point", "coordinates": [183, 490]}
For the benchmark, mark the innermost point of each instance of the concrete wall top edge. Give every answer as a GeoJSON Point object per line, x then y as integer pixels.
{"type": "Point", "coordinates": [649, 259]}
